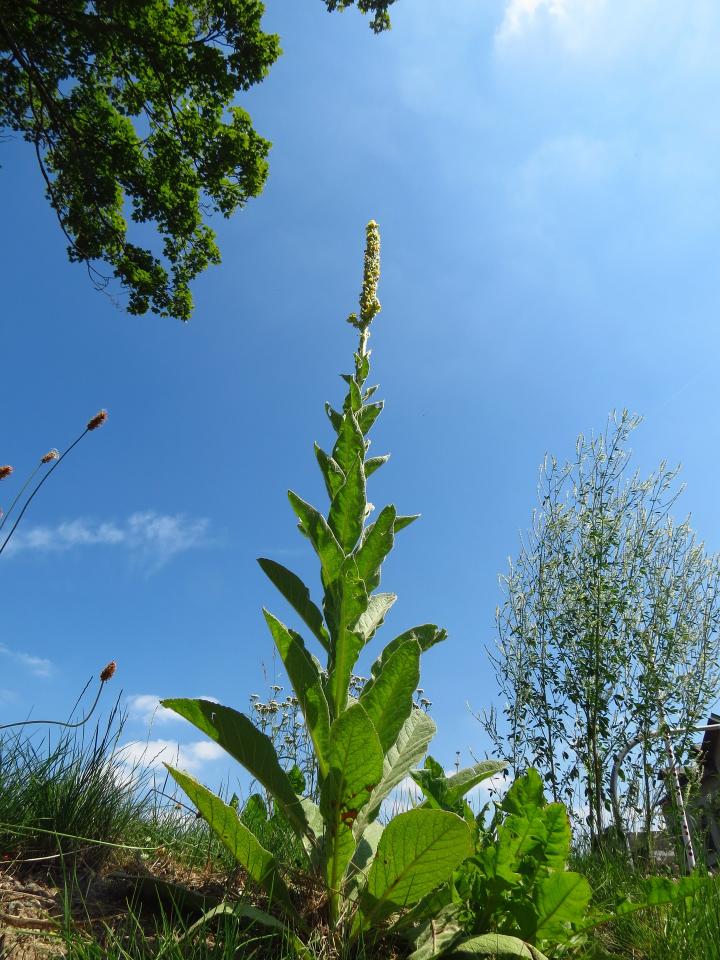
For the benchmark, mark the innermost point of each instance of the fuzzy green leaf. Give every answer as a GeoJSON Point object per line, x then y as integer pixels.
{"type": "Point", "coordinates": [460, 783]}
{"type": "Point", "coordinates": [334, 417]}
{"type": "Point", "coordinates": [402, 522]}
{"type": "Point", "coordinates": [427, 636]}
{"type": "Point", "coordinates": [298, 596]}
{"type": "Point", "coordinates": [332, 474]}
{"type": "Point", "coordinates": [314, 525]}
{"type": "Point", "coordinates": [305, 677]}
{"type": "Point", "coordinates": [369, 414]}
{"type": "Point", "coordinates": [389, 701]}
{"type": "Point", "coordinates": [350, 444]}
{"type": "Point", "coordinates": [347, 510]}
{"type": "Point", "coordinates": [355, 765]}
{"type": "Point", "coordinates": [417, 852]}
{"type": "Point", "coordinates": [374, 463]}
{"type": "Point", "coordinates": [372, 618]}
{"type": "Point", "coordinates": [353, 400]}
{"type": "Point", "coordinates": [241, 842]}
{"type": "Point", "coordinates": [345, 602]}
{"type": "Point", "coordinates": [237, 734]}
{"type": "Point", "coordinates": [376, 545]}
{"type": "Point", "coordinates": [407, 751]}
{"type": "Point", "coordinates": [362, 367]}
{"type": "Point", "coordinates": [365, 851]}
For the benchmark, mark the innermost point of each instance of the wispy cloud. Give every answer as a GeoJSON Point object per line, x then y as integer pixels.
{"type": "Point", "coordinates": [145, 707]}
{"type": "Point", "coordinates": [151, 754]}
{"type": "Point", "coordinates": [38, 666]}
{"type": "Point", "coordinates": [152, 537]}
{"type": "Point", "coordinates": [520, 14]}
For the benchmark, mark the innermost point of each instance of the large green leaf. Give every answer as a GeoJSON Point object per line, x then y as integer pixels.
{"type": "Point", "coordinates": [425, 909]}
{"type": "Point", "coordinates": [559, 899]}
{"type": "Point", "coordinates": [417, 852]}
{"type": "Point", "coordinates": [314, 525]}
{"type": "Point", "coordinates": [525, 794]}
{"type": "Point", "coordinates": [497, 946]}
{"type": "Point", "coordinates": [350, 444]}
{"type": "Point", "coordinates": [426, 635]}
{"type": "Point", "coordinates": [334, 417]}
{"type": "Point", "coordinates": [374, 463]}
{"type": "Point", "coordinates": [558, 836]}
{"type": "Point", "coordinates": [437, 934]}
{"type": "Point", "coordinates": [237, 734]}
{"type": "Point", "coordinates": [405, 521]}
{"type": "Point", "coordinates": [407, 751]}
{"type": "Point", "coordinates": [241, 842]}
{"type": "Point", "coordinates": [347, 510]}
{"type": "Point", "coordinates": [332, 474]}
{"type": "Point", "coordinates": [366, 849]}
{"type": "Point", "coordinates": [462, 782]}
{"type": "Point", "coordinates": [372, 618]}
{"type": "Point", "coordinates": [307, 684]}
{"type": "Point", "coordinates": [345, 602]}
{"type": "Point", "coordinates": [389, 701]}
{"type": "Point", "coordinates": [298, 596]}
{"type": "Point", "coordinates": [376, 545]}
{"type": "Point", "coordinates": [369, 414]}
{"type": "Point", "coordinates": [355, 765]}
{"type": "Point", "coordinates": [353, 400]}
{"type": "Point", "coordinates": [362, 367]}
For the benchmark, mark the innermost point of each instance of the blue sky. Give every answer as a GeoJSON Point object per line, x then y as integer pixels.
{"type": "Point", "coordinates": [546, 175]}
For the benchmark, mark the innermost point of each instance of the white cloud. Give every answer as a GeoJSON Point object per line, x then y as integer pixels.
{"type": "Point", "coordinates": [593, 32]}
{"type": "Point", "coordinates": [520, 14]}
{"type": "Point", "coordinates": [145, 707]}
{"type": "Point", "coordinates": [151, 754]}
{"type": "Point", "coordinates": [153, 537]}
{"type": "Point", "coordinates": [38, 666]}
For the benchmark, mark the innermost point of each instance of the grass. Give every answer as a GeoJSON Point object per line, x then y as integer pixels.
{"type": "Point", "coordinates": [686, 930]}
{"type": "Point", "coordinates": [68, 796]}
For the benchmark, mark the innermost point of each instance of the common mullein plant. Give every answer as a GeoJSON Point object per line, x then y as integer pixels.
{"type": "Point", "coordinates": [364, 744]}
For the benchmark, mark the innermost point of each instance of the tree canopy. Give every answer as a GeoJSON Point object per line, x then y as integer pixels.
{"type": "Point", "coordinates": [129, 107]}
{"type": "Point", "coordinates": [610, 626]}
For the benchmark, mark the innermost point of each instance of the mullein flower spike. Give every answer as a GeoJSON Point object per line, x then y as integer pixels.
{"type": "Point", "coordinates": [369, 303]}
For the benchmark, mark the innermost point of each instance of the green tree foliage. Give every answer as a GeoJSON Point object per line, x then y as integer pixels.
{"type": "Point", "coordinates": [379, 9]}
{"type": "Point", "coordinates": [128, 105]}
{"type": "Point", "coordinates": [611, 623]}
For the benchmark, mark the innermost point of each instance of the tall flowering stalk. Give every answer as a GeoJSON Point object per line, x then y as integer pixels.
{"type": "Point", "coordinates": [364, 744]}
